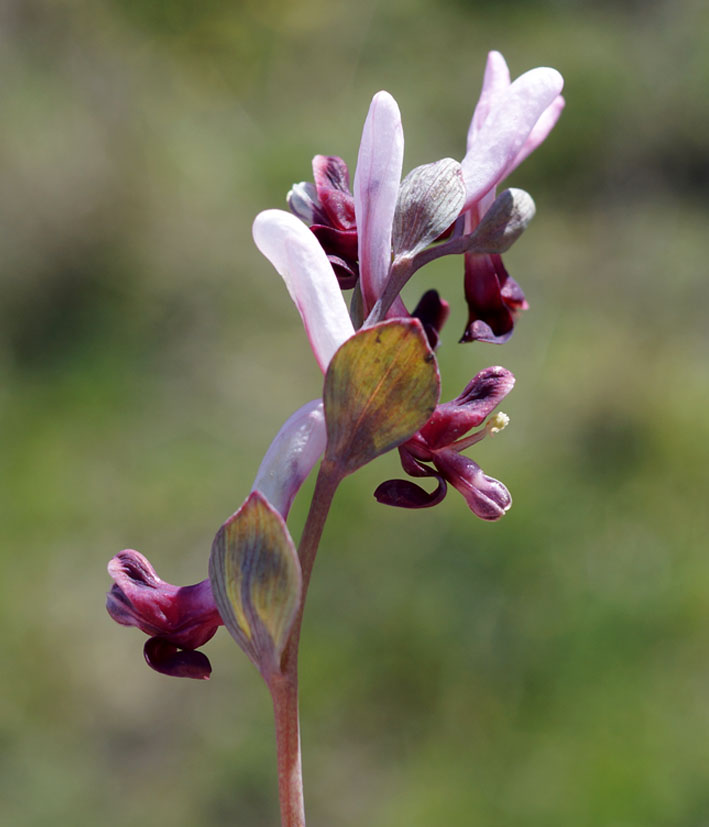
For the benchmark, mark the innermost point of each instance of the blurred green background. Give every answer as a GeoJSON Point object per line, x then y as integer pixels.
{"type": "Point", "coordinates": [546, 671]}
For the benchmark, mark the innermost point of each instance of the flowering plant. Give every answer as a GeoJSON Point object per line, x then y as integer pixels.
{"type": "Point", "coordinates": [381, 380]}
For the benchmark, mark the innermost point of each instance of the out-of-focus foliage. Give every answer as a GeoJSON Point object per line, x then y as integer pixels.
{"type": "Point", "coordinates": [549, 670]}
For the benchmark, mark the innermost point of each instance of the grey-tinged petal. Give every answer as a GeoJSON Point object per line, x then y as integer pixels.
{"type": "Point", "coordinates": [504, 222]}
{"type": "Point", "coordinates": [302, 200]}
{"type": "Point", "coordinates": [430, 199]}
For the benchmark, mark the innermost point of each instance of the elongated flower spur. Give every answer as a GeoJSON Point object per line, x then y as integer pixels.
{"type": "Point", "coordinates": [381, 380]}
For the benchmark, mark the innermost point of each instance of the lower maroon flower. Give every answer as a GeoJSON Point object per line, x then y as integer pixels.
{"type": "Point", "coordinates": [440, 443]}
{"type": "Point", "coordinates": [494, 299]}
{"type": "Point", "coordinates": [178, 619]}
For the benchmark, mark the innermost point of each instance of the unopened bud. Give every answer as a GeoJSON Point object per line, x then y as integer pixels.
{"type": "Point", "coordinates": [504, 222]}
{"type": "Point", "coordinates": [430, 199]}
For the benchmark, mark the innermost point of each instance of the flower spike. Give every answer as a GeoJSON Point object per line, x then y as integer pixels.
{"type": "Point", "coordinates": [381, 383]}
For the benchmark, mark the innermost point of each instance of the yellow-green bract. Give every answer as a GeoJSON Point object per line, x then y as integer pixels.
{"type": "Point", "coordinates": [381, 386]}
{"type": "Point", "coordinates": [256, 581]}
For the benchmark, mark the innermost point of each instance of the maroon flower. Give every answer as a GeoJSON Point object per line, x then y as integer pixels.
{"type": "Point", "coordinates": [494, 299]}
{"type": "Point", "coordinates": [178, 619]}
{"type": "Point", "coordinates": [328, 209]}
{"type": "Point", "coordinates": [441, 441]}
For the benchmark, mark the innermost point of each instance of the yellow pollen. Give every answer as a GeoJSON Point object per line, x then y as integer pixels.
{"type": "Point", "coordinates": [497, 423]}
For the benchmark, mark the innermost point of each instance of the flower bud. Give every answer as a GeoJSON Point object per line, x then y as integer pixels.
{"type": "Point", "coordinates": [430, 199]}
{"type": "Point", "coordinates": [504, 222]}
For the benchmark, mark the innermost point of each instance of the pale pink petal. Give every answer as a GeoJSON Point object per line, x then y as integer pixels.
{"type": "Point", "coordinates": [376, 188]}
{"type": "Point", "coordinates": [495, 82]}
{"type": "Point", "coordinates": [477, 213]}
{"type": "Point", "coordinates": [540, 131]}
{"type": "Point", "coordinates": [297, 255]}
{"type": "Point", "coordinates": [537, 136]}
{"type": "Point", "coordinates": [291, 456]}
{"type": "Point", "coordinates": [506, 129]}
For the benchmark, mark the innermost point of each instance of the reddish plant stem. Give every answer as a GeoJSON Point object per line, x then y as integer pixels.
{"type": "Point", "coordinates": [284, 686]}
{"type": "Point", "coordinates": [329, 477]}
{"type": "Point", "coordinates": [284, 692]}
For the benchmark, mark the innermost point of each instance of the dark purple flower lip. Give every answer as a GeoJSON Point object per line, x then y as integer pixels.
{"type": "Point", "coordinates": [168, 659]}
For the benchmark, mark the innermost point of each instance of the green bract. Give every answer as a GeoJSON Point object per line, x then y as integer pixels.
{"type": "Point", "coordinates": [256, 581]}
{"type": "Point", "coordinates": [382, 385]}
